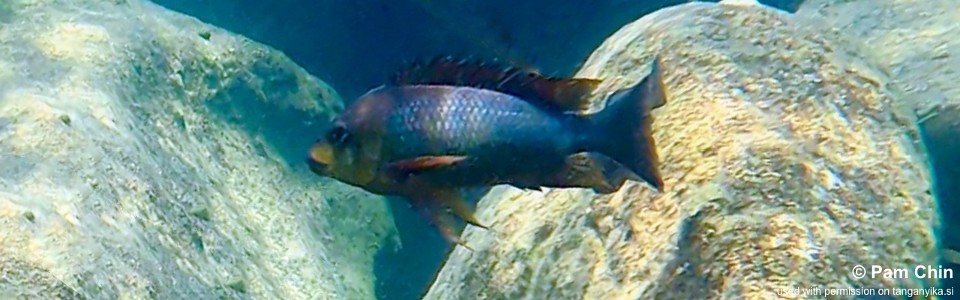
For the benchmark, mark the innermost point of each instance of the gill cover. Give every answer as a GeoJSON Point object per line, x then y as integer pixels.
{"type": "Point", "coordinates": [347, 156]}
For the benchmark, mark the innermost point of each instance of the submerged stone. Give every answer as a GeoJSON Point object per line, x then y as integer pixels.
{"type": "Point", "coordinates": [146, 161]}
{"type": "Point", "coordinates": [914, 42]}
{"type": "Point", "coordinates": [786, 164]}
{"type": "Point", "coordinates": [918, 44]}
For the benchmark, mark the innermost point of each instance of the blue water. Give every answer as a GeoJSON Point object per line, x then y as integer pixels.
{"type": "Point", "coordinates": [946, 186]}
{"type": "Point", "coordinates": [355, 45]}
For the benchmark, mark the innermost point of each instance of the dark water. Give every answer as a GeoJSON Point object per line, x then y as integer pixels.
{"type": "Point", "coordinates": [355, 45]}
{"type": "Point", "coordinates": [943, 155]}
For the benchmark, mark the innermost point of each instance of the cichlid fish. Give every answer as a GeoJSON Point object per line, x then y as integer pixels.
{"type": "Point", "coordinates": [447, 126]}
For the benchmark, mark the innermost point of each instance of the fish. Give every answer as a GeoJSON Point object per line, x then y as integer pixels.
{"type": "Point", "coordinates": [449, 125]}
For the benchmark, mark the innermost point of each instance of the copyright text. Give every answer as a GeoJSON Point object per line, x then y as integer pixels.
{"type": "Point", "coordinates": [909, 293]}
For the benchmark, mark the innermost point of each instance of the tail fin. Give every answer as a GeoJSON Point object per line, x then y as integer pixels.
{"type": "Point", "coordinates": [621, 130]}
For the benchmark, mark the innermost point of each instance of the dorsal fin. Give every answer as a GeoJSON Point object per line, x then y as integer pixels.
{"type": "Point", "coordinates": [561, 94]}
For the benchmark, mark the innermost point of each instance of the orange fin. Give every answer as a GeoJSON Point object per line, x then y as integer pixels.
{"type": "Point", "coordinates": [558, 94]}
{"type": "Point", "coordinates": [424, 163]}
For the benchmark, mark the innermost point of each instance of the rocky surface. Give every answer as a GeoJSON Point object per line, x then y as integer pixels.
{"type": "Point", "coordinates": [787, 162]}
{"type": "Point", "coordinates": [918, 43]}
{"type": "Point", "coordinates": [144, 154]}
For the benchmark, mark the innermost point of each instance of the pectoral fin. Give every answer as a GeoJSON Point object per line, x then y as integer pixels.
{"type": "Point", "coordinates": [424, 163]}
{"type": "Point", "coordinates": [404, 168]}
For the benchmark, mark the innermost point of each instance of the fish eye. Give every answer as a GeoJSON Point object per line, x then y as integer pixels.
{"type": "Point", "coordinates": [338, 135]}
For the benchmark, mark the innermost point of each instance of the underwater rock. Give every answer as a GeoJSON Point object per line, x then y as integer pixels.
{"type": "Point", "coordinates": [740, 2]}
{"type": "Point", "coordinates": [145, 154]}
{"type": "Point", "coordinates": [785, 166]}
{"type": "Point", "coordinates": [915, 41]}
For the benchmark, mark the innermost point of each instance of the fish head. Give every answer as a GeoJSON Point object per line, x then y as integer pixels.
{"type": "Point", "coordinates": [349, 151]}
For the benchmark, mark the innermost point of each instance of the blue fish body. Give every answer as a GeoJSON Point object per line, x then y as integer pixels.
{"type": "Point", "coordinates": [456, 127]}
{"type": "Point", "coordinates": [500, 133]}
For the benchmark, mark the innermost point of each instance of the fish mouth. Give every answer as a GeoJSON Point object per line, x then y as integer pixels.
{"type": "Point", "coordinates": [316, 167]}
{"type": "Point", "coordinates": [318, 160]}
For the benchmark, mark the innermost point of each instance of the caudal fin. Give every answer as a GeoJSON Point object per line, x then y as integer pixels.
{"type": "Point", "coordinates": [621, 130]}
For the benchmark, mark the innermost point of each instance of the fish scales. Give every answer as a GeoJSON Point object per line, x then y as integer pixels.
{"type": "Point", "coordinates": [469, 121]}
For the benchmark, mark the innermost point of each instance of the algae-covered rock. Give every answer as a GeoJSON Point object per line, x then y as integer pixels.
{"type": "Point", "coordinates": [785, 161]}
{"type": "Point", "coordinates": [144, 154]}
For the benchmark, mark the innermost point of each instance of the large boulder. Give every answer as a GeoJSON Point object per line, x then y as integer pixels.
{"type": "Point", "coordinates": [786, 165]}
{"type": "Point", "coordinates": [144, 154]}
{"type": "Point", "coordinates": [915, 41]}
{"type": "Point", "coordinates": [918, 43]}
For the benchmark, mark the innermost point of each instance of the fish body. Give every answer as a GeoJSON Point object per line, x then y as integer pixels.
{"type": "Point", "coordinates": [452, 126]}
{"type": "Point", "coordinates": [499, 134]}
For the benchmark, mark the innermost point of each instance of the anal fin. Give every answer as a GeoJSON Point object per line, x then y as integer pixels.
{"type": "Point", "coordinates": [593, 170]}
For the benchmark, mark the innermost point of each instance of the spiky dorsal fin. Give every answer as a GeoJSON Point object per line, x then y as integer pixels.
{"type": "Point", "coordinates": [561, 94]}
